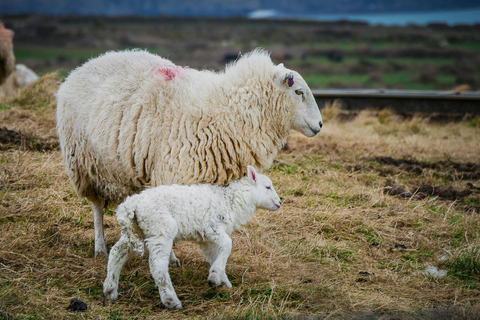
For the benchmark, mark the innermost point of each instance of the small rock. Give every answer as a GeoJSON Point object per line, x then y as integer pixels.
{"type": "Point", "coordinates": [77, 305]}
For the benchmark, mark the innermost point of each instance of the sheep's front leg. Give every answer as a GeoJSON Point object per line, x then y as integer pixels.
{"type": "Point", "coordinates": [217, 249]}
{"type": "Point", "coordinates": [160, 248]}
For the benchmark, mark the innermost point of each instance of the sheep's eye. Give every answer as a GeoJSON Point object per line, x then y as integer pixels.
{"type": "Point", "coordinates": [299, 92]}
{"type": "Point", "coordinates": [268, 187]}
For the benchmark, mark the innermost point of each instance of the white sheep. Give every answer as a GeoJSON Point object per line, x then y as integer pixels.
{"type": "Point", "coordinates": [204, 213]}
{"type": "Point", "coordinates": [21, 76]}
{"type": "Point", "coordinates": [7, 58]}
{"type": "Point", "coordinates": [130, 119]}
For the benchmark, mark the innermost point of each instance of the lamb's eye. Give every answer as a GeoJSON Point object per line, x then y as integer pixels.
{"type": "Point", "coordinates": [299, 92]}
{"type": "Point", "coordinates": [268, 187]}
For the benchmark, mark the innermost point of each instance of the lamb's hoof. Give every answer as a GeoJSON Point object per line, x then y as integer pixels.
{"type": "Point", "coordinates": [111, 294]}
{"type": "Point", "coordinates": [172, 303]}
{"type": "Point", "coordinates": [215, 281]}
{"type": "Point", "coordinates": [174, 263]}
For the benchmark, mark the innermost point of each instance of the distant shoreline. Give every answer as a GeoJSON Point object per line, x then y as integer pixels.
{"type": "Point", "coordinates": [451, 17]}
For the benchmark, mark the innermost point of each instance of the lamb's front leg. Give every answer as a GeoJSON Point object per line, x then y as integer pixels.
{"type": "Point", "coordinates": [117, 258]}
{"type": "Point", "coordinates": [160, 248]}
{"type": "Point", "coordinates": [217, 249]}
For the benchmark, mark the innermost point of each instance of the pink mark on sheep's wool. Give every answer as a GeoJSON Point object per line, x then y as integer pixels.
{"type": "Point", "coordinates": [168, 74]}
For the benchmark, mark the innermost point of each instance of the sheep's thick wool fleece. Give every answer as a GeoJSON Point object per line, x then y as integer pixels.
{"type": "Point", "coordinates": [130, 119]}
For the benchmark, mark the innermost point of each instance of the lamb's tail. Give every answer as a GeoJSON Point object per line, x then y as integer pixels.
{"type": "Point", "coordinates": [130, 229]}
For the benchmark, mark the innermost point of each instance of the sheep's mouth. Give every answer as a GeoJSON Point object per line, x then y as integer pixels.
{"type": "Point", "coordinates": [315, 131]}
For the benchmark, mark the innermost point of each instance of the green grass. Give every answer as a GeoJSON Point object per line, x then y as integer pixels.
{"type": "Point", "coordinates": [323, 81]}
{"type": "Point", "coordinates": [466, 267]}
{"type": "Point", "coordinates": [469, 45]}
{"type": "Point", "coordinates": [55, 53]}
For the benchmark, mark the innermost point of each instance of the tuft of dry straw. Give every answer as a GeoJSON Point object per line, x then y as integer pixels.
{"type": "Point", "coordinates": [37, 94]}
{"type": "Point", "coordinates": [331, 110]}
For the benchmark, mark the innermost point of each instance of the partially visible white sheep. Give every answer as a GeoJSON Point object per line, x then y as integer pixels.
{"type": "Point", "coordinates": [20, 77]}
{"type": "Point", "coordinates": [203, 213]}
{"type": "Point", "coordinates": [7, 58]}
{"type": "Point", "coordinates": [127, 120]}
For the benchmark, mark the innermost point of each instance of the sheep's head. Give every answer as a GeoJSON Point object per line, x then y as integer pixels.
{"type": "Point", "coordinates": [264, 194]}
{"type": "Point", "coordinates": [307, 117]}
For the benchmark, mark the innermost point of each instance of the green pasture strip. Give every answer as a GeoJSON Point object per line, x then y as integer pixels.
{"type": "Point", "coordinates": [322, 81]}
{"type": "Point", "coordinates": [55, 53]}
{"type": "Point", "coordinates": [356, 58]}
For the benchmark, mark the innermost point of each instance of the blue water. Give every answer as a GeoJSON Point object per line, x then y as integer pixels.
{"type": "Point", "coordinates": [470, 16]}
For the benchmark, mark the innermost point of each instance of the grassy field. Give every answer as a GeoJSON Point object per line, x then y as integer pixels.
{"type": "Point", "coordinates": [369, 205]}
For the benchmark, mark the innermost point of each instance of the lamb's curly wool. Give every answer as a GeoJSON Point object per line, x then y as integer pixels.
{"type": "Point", "coordinates": [204, 213]}
{"type": "Point", "coordinates": [130, 119]}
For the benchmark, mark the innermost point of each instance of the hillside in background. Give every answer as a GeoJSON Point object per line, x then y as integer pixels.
{"type": "Point", "coordinates": [328, 54]}
{"type": "Point", "coordinates": [225, 8]}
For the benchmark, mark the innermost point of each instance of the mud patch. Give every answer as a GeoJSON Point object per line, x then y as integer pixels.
{"type": "Point", "coordinates": [449, 170]}
{"type": "Point", "coordinates": [426, 190]}
{"type": "Point", "coordinates": [12, 139]}
{"type": "Point", "coordinates": [462, 171]}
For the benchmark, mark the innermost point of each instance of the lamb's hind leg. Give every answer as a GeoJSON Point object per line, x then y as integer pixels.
{"type": "Point", "coordinates": [160, 248]}
{"type": "Point", "coordinates": [117, 258]}
{"type": "Point", "coordinates": [173, 261]}
{"type": "Point", "coordinates": [100, 247]}
{"type": "Point", "coordinates": [217, 250]}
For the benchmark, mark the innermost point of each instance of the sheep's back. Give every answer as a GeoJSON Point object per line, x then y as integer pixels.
{"type": "Point", "coordinates": [99, 106]}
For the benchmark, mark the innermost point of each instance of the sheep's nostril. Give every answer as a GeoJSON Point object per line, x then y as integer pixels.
{"type": "Point", "coordinates": [320, 124]}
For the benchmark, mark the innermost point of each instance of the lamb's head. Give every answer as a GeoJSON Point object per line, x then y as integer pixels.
{"type": "Point", "coordinates": [264, 195]}
{"type": "Point", "coordinates": [307, 117]}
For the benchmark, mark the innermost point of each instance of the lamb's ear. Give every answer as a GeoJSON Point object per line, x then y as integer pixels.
{"type": "Point", "coordinates": [252, 174]}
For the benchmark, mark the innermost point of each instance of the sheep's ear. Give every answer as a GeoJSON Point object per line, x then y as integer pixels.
{"type": "Point", "coordinates": [289, 79]}
{"type": "Point", "coordinates": [281, 65]}
{"type": "Point", "coordinates": [252, 174]}
{"type": "Point", "coordinates": [284, 78]}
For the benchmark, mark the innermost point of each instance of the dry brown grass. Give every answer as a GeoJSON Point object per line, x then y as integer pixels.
{"type": "Point", "coordinates": [340, 247]}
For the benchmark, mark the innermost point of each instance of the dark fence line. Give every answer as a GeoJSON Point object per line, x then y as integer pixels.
{"type": "Point", "coordinates": [404, 101]}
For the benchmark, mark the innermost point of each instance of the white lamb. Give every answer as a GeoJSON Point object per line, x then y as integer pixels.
{"type": "Point", "coordinates": [203, 213]}
{"type": "Point", "coordinates": [131, 119]}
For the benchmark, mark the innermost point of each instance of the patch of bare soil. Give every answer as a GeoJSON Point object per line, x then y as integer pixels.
{"type": "Point", "coordinates": [12, 139]}
{"type": "Point", "coordinates": [461, 171]}
{"type": "Point", "coordinates": [449, 169]}
{"type": "Point", "coordinates": [423, 191]}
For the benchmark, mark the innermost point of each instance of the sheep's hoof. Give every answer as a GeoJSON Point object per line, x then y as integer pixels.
{"type": "Point", "coordinates": [101, 251]}
{"type": "Point", "coordinates": [172, 303]}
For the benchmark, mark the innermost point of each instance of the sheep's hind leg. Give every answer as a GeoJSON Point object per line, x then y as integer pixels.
{"type": "Point", "coordinates": [217, 250]}
{"type": "Point", "coordinates": [119, 254]}
{"type": "Point", "coordinates": [160, 249]}
{"type": "Point", "coordinates": [100, 247]}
